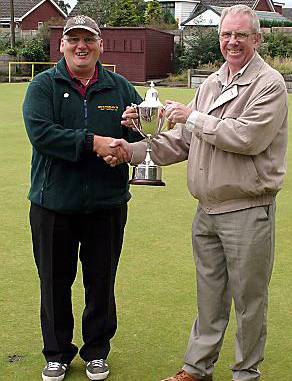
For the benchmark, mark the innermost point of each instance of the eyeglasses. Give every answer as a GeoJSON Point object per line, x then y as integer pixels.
{"type": "Point", "coordinates": [239, 36]}
{"type": "Point", "coordinates": [87, 40]}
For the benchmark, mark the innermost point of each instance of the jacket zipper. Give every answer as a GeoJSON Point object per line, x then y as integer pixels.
{"type": "Point", "coordinates": [86, 124]}
{"type": "Point", "coordinates": [85, 112]}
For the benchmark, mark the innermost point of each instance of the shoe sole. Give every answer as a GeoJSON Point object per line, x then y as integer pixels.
{"type": "Point", "coordinates": [98, 376]}
{"type": "Point", "coordinates": [47, 378]}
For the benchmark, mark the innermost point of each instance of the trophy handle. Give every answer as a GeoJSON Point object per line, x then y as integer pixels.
{"type": "Point", "coordinates": [161, 126]}
{"type": "Point", "coordinates": [137, 125]}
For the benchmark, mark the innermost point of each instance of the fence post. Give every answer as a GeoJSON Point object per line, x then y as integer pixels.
{"type": "Point", "coordinates": [32, 71]}
{"type": "Point", "coordinates": [9, 72]}
{"type": "Point", "coordinates": [189, 79]}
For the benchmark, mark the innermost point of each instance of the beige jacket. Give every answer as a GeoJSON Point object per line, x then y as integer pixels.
{"type": "Point", "coordinates": [236, 152]}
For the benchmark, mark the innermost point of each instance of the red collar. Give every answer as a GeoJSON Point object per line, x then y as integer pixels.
{"type": "Point", "coordinates": [79, 86]}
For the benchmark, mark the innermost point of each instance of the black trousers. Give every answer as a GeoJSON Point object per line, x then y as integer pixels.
{"type": "Point", "coordinates": [57, 239]}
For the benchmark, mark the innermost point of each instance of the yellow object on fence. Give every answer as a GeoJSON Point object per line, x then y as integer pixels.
{"type": "Point", "coordinates": [42, 63]}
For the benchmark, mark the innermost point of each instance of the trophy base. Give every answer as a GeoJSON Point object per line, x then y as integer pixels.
{"type": "Point", "coordinates": [158, 183]}
{"type": "Point", "coordinates": [147, 174]}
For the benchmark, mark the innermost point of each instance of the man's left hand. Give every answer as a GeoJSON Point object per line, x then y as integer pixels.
{"type": "Point", "coordinates": [176, 112]}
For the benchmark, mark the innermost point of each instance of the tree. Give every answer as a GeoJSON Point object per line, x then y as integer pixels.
{"type": "Point", "coordinates": [153, 13]}
{"type": "Point", "coordinates": [168, 17]}
{"type": "Point", "coordinates": [12, 25]}
{"type": "Point", "coordinates": [98, 10]}
{"type": "Point", "coordinates": [64, 6]}
{"type": "Point", "coordinates": [140, 6]}
{"type": "Point", "coordinates": [201, 47]}
{"type": "Point", "coordinates": [124, 13]}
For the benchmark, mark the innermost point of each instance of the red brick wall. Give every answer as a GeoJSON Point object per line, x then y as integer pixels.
{"type": "Point", "coordinates": [43, 13]}
{"type": "Point", "coordinates": [263, 6]}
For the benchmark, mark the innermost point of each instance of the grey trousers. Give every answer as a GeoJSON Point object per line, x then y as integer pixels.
{"type": "Point", "coordinates": [234, 255]}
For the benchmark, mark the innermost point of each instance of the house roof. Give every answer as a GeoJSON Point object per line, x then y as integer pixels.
{"type": "Point", "coordinates": [229, 3]}
{"type": "Point", "coordinates": [23, 7]}
{"type": "Point", "coordinates": [262, 15]}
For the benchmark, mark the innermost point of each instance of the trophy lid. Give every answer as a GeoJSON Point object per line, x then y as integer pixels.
{"type": "Point", "coordinates": [151, 98]}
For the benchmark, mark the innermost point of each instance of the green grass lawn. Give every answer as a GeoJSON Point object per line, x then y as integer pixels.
{"type": "Point", "coordinates": [156, 279]}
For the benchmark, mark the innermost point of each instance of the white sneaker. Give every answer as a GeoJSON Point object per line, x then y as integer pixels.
{"type": "Point", "coordinates": [54, 371]}
{"type": "Point", "coordinates": [97, 369]}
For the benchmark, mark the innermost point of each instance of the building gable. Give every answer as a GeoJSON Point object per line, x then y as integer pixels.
{"type": "Point", "coordinates": [39, 15]}
{"type": "Point", "coordinates": [23, 8]}
{"type": "Point", "coordinates": [49, 3]}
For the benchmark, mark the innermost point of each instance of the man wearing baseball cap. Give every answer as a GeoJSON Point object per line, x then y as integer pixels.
{"type": "Point", "coordinates": [72, 112]}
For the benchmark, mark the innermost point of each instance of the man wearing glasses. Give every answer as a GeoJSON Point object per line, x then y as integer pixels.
{"type": "Point", "coordinates": [234, 135]}
{"type": "Point", "coordinates": [78, 202]}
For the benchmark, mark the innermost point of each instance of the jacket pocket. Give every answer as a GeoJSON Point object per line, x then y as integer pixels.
{"type": "Point", "coordinates": [237, 177]}
{"type": "Point", "coordinates": [47, 169]}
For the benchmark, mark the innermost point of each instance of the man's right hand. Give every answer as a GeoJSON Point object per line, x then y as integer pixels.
{"type": "Point", "coordinates": [124, 148]}
{"type": "Point", "coordinates": [128, 116]}
{"type": "Point", "coordinates": [102, 147]}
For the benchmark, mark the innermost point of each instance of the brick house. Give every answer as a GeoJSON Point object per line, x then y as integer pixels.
{"type": "Point", "coordinates": [29, 15]}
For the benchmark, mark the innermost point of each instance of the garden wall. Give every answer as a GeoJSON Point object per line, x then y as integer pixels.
{"type": "Point", "coordinates": [4, 63]}
{"type": "Point", "coordinates": [196, 77]}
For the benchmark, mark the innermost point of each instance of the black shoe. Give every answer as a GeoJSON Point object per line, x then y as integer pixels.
{"type": "Point", "coordinates": [97, 370]}
{"type": "Point", "coordinates": [54, 371]}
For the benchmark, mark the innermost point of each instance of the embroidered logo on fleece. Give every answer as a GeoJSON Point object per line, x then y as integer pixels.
{"type": "Point", "coordinates": [107, 107]}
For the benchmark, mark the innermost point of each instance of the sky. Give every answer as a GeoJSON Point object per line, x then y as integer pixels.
{"type": "Point", "coordinates": [288, 3]}
{"type": "Point", "coordinates": [73, 2]}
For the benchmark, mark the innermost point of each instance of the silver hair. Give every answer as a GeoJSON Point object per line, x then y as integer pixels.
{"type": "Point", "coordinates": [244, 10]}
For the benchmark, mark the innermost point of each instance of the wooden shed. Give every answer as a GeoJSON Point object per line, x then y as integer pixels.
{"type": "Point", "coordinates": [138, 53]}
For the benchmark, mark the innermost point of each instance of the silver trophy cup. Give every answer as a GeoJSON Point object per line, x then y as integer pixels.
{"type": "Point", "coordinates": [150, 123]}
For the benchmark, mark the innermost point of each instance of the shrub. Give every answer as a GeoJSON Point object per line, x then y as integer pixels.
{"type": "Point", "coordinates": [11, 51]}
{"type": "Point", "coordinates": [271, 23]}
{"type": "Point", "coordinates": [277, 44]}
{"type": "Point", "coordinates": [4, 41]}
{"type": "Point", "coordinates": [201, 47]}
{"type": "Point", "coordinates": [35, 50]}
{"type": "Point", "coordinates": [283, 65]}
{"type": "Point", "coordinates": [181, 77]}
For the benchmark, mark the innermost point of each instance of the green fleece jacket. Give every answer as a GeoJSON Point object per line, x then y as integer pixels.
{"type": "Point", "coordinates": [65, 175]}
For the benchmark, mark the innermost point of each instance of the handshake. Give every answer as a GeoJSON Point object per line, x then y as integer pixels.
{"type": "Point", "coordinates": [113, 151]}
{"type": "Point", "coordinates": [117, 151]}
